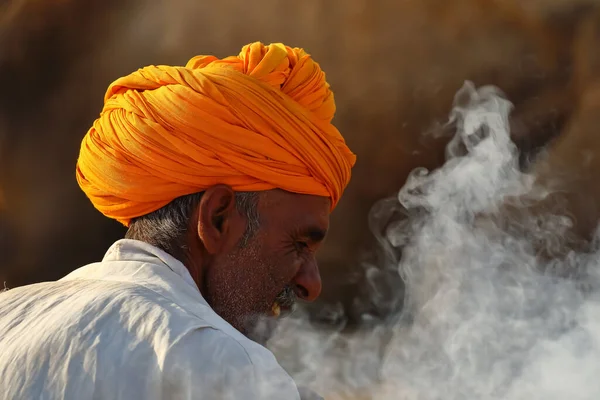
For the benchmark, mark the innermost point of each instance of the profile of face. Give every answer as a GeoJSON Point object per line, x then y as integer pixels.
{"type": "Point", "coordinates": [247, 278]}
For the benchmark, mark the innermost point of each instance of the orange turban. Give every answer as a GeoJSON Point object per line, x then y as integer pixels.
{"type": "Point", "coordinates": [258, 121]}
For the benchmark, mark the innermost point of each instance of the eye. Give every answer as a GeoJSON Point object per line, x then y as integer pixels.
{"type": "Point", "coordinates": [301, 245]}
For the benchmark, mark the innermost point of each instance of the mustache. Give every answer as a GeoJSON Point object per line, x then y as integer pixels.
{"type": "Point", "coordinates": [287, 297]}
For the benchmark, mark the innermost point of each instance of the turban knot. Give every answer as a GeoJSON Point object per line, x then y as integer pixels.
{"type": "Point", "coordinates": [257, 121]}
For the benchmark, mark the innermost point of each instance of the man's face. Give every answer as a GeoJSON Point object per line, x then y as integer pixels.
{"type": "Point", "coordinates": [265, 275]}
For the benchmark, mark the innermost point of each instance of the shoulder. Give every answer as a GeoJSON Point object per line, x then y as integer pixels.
{"type": "Point", "coordinates": [209, 359]}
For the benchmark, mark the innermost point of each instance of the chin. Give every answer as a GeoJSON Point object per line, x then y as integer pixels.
{"type": "Point", "coordinates": [261, 330]}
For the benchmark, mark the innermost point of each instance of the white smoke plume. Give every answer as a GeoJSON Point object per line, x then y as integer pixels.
{"type": "Point", "coordinates": [485, 315]}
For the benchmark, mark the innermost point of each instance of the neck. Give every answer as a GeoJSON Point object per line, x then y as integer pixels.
{"type": "Point", "coordinates": [193, 258]}
{"type": "Point", "coordinates": [194, 270]}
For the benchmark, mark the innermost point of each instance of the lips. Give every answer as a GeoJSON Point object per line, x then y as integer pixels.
{"type": "Point", "coordinates": [280, 310]}
{"type": "Point", "coordinates": [284, 303]}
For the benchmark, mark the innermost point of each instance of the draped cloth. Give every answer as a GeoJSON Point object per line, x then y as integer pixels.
{"type": "Point", "coordinates": [257, 121]}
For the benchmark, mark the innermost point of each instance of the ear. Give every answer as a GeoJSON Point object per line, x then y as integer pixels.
{"type": "Point", "coordinates": [216, 212]}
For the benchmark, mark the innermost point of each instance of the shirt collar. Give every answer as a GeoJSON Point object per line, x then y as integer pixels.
{"type": "Point", "coordinates": [135, 250]}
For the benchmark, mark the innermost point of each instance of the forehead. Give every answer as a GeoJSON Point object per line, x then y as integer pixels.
{"type": "Point", "coordinates": [294, 208]}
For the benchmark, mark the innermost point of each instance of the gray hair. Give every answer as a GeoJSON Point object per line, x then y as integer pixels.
{"type": "Point", "coordinates": [166, 228]}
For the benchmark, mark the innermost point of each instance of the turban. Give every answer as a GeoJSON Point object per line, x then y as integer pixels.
{"type": "Point", "coordinates": [257, 121]}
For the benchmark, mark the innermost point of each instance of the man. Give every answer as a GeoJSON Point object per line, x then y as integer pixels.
{"type": "Point", "coordinates": [225, 172]}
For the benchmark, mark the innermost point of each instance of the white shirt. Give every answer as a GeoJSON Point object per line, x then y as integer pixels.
{"type": "Point", "coordinates": [133, 326]}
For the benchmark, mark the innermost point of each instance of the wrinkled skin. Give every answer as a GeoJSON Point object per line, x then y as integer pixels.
{"type": "Point", "coordinates": [241, 281]}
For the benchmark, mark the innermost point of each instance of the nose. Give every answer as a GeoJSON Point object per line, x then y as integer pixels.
{"type": "Point", "coordinates": [307, 281]}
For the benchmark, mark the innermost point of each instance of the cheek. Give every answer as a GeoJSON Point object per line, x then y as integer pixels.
{"type": "Point", "coordinates": [235, 286]}
{"type": "Point", "coordinates": [253, 273]}
{"type": "Point", "coordinates": [250, 277]}
{"type": "Point", "coordinates": [284, 266]}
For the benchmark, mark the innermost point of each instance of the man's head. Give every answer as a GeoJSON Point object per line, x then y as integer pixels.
{"type": "Point", "coordinates": [252, 134]}
{"type": "Point", "coordinates": [251, 253]}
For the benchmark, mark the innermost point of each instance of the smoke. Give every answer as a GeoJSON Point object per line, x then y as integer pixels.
{"type": "Point", "coordinates": [485, 315]}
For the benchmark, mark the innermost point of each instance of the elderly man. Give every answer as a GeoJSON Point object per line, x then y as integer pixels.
{"type": "Point", "coordinates": [225, 172]}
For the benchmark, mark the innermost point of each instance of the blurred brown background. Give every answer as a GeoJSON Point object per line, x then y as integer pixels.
{"type": "Point", "coordinates": [394, 67]}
